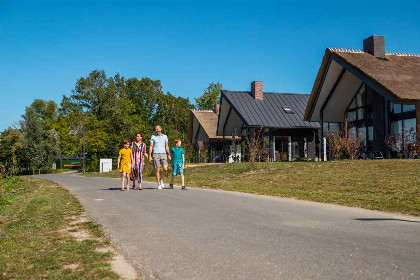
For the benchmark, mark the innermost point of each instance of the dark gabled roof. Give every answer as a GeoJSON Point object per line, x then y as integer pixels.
{"type": "Point", "coordinates": [398, 74]}
{"type": "Point", "coordinates": [269, 112]}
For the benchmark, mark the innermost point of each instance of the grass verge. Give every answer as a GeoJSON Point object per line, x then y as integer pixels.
{"type": "Point", "coordinates": [43, 234]}
{"type": "Point", "coordinates": [387, 185]}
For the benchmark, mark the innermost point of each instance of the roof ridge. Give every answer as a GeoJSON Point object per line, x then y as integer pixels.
{"type": "Point", "coordinates": [198, 110]}
{"type": "Point", "coordinates": [403, 54]}
{"type": "Point", "coordinates": [362, 51]}
{"type": "Point", "coordinates": [288, 93]}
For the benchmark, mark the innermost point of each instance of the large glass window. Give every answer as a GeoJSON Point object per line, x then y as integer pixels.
{"type": "Point", "coordinates": [361, 132]}
{"type": "Point", "coordinates": [352, 132]}
{"type": "Point", "coordinates": [359, 117]}
{"type": "Point", "coordinates": [360, 107]}
{"type": "Point", "coordinates": [410, 130]}
{"type": "Point", "coordinates": [351, 116]}
{"type": "Point", "coordinates": [396, 108]}
{"type": "Point", "coordinates": [370, 134]}
{"type": "Point", "coordinates": [403, 125]}
{"type": "Point", "coordinates": [409, 108]}
{"type": "Point", "coordinates": [396, 128]}
{"type": "Point", "coordinates": [399, 108]}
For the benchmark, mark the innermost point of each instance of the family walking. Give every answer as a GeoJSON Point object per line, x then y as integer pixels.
{"type": "Point", "coordinates": [131, 160]}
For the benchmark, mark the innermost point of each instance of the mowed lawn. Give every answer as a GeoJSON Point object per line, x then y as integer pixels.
{"type": "Point", "coordinates": [43, 234]}
{"type": "Point", "coordinates": [387, 185]}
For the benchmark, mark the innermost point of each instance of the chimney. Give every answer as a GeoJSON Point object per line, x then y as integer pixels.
{"type": "Point", "coordinates": [257, 90]}
{"type": "Point", "coordinates": [216, 109]}
{"type": "Point", "coordinates": [375, 45]}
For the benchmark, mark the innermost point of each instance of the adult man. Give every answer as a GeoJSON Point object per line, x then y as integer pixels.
{"type": "Point", "coordinates": [159, 146]}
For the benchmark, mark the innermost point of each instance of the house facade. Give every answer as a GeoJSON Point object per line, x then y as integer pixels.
{"type": "Point", "coordinates": [203, 126]}
{"type": "Point", "coordinates": [374, 93]}
{"type": "Point", "coordinates": [276, 117]}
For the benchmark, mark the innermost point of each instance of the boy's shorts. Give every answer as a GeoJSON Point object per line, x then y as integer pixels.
{"type": "Point", "coordinates": [177, 169]}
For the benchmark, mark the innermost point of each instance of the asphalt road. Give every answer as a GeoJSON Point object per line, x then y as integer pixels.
{"type": "Point", "coordinates": [208, 234]}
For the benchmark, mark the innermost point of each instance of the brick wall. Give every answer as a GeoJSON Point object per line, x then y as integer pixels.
{"type": "Point", "coordinates": [257, 90]}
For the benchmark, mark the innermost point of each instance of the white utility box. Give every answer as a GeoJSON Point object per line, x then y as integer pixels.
{"type": "Point", "coordinates": [105, 165]}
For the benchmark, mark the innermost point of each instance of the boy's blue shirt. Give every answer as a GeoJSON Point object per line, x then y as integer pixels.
{"type": "Point", "coordinates": [177, 152]}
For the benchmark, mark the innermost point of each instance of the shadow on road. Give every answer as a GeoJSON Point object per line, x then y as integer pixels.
{"type": "Point", "coordinates": [147, 188]}
{"type": "Point", "coordinates": [384, 219]}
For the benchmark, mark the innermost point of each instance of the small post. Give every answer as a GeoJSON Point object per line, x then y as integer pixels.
{"type": "Point", "coordinates": [305, 147]}
{"type": "Point", "coordinates": [289, 146]}
{"type": "Point", "coordinates": [386, 116]}
{"type": "Point", "coordinates": [321, 133]}
{"type": "Point", "coordinates": [324, 148]}
{"type": "Point", "coordinates": [84, 156]}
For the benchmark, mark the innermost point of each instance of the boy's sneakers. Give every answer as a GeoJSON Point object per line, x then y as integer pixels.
{"type": "Point", "coordinates": [171, 186]}
{"type": "Point", "coordinates": [159, 187]}
{"type": "Point", "coordinates": [183, 188]}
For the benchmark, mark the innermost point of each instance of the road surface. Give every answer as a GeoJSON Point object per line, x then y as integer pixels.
{"type": "Point", "coordinates": [208, 234]}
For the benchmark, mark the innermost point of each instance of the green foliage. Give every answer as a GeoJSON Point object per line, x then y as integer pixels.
{"type": "Point", "coordinates": [210, 97]}
{"type": "Point", "coordinates": [41, 145]}
{"type": "Point", "coordinates": [111, 109]}
{"type": "Point", "coordinates": [104, 109]}
{"type": "Point", "coordinates": [11, 143]}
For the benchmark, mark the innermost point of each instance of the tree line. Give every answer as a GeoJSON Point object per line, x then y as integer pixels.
{"type": "Point", "coordinates": [104, 109]}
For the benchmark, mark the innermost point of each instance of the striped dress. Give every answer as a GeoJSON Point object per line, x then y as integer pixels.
{"type": "Point", "coordinates": [138, 162]}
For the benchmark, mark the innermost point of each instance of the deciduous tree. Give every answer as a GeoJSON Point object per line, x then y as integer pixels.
{"type": "Point", "coordinates": [210, 97]}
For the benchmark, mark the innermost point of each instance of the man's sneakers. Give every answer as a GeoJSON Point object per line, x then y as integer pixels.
{"type": "Point", "coordinates": [161, 184]}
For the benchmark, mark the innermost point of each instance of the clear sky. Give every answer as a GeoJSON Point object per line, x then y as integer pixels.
{"type": "Point", "coordinates": [46, 46]}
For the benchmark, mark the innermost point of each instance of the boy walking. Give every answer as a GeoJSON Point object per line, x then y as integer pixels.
{"type": "Point", "coordinates": [178, 163]}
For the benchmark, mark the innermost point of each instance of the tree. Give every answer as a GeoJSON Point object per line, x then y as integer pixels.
{"type": "Point", "coordinates": [173, 114]}
{"type": "Point", "coordinates": [40, 141]}
{"type": "Point", "coordinates": [122, 107]}
{"type": "Point", "coordinates": [144, 93]}
{"type": "Point", "coordinates": [11, 143]}
{"type": "Point", "coordinates": [71, 128]}
{"type": "Point", "coordinates": [90, 94]}
{"type": "Point", "coordinates": [210, 97]}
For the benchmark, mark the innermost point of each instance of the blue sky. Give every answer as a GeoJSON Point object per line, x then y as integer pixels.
{"type": "Point", "coordinates": [46, 46]}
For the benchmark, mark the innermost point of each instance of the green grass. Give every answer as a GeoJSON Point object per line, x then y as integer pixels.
{"type": "Point", "coordinates": [387, 185]}
{"type": "Point", "coordinates": [35, 221]}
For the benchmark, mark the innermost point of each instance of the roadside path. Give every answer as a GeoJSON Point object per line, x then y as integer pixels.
{"type": "Point", "coordinates": [208, 234]}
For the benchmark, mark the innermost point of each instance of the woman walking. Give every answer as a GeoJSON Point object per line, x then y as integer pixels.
{"type": "Point", "coordinates": [139, 153]}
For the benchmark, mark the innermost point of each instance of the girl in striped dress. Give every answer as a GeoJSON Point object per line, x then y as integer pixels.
{"type": "Point", "coordinates": [139, 153]}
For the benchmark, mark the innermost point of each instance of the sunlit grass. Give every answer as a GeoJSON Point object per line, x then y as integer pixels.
{"type": "Point", "coordinates": [388, 185]}
{"type": "Point", "coordinates": [35, 217]}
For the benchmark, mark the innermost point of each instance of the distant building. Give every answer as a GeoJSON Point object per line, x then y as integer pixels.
{"type": "Point", "coordinates": [203, 126]}
{"type": "Point", "coordinates": [68, 162]}
{"type": "Point", "coordinates": [376, 92]}
{"type": "Point", "coordinates": [279, 117]}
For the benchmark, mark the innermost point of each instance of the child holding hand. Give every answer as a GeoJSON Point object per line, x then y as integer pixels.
{"type": "Point", "coordinates": [125, 165]}
{"type": "Point", "coordinates": [178, 163]}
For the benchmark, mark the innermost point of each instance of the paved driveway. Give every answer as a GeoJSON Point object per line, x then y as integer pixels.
{"type": "Point", "coordinates": [207, 234]}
